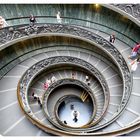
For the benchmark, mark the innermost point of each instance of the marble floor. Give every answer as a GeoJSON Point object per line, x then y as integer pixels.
{"type": "Point", "coordinates": [84, 111]}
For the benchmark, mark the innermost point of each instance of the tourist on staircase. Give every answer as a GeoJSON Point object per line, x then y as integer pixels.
{"type": "Point", "coordinates": [87, 80]}
{"type": "Point", "coordinates": [59, 19]}
{"type": "Point", "coordinates": [32, 20]}
{"type": "Point", "coordinates": [73, 75]}
{"type": "Point", "coordinates": [35, 96]}
{"type": "Point", "coordinates": [112, 38]}
{"type": "Point", "coordinates": [39, 101]}
{"type": "Point", "coordinates": [53, 79]}
{"type": "Point", "coordinates": [75, 115]}
{"type": "Point", "coordinates": [3, 23]}
{"type": "Point", "coordinates": [134, 51]}
{"type": "Point", "coordinates": [134, 64]}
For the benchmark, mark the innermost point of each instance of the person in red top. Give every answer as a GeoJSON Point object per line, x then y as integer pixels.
{"type": "Point", "coordinates": [45, 86]}
{"type": "Point", "coordinates": [134, 51]}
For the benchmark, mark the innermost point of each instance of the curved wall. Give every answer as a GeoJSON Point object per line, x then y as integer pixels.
{"type": "Point", "coordinates": [104, 16]}
{"type": "Point", "coordinates": [14, 54]}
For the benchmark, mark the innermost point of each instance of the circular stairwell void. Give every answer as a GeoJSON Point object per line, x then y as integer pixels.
{"type": "Point", "coordinates": [65, 94]}
{"type": "Point", "coordinates": [71, 104]}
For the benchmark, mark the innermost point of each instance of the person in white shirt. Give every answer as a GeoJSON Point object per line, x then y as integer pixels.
{"type": "Point", "coordinates": [87, 78]}
{"type": "Point", "coordinates": [59, 19]}
{"type": "Point", "coordinates": [134, 64]}
{"type": "Point", "coordinates": [3, 23]}
{"type": "Point", "coordinates": [53, 79]}
{"type": "Point", "coordinates": [49, 82]}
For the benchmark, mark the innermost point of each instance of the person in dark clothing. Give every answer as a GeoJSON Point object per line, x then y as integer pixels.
{"type": "Point", "coordinates": [75, 114]}
{"type": "Point", "coordinates": [72, 106]}
{"type": "Point", "coordinates": [112, 38]}
{"type": "Point", "coordinates": [39, 102]}
{"type": "Point", "coordinates": [32, 20]}
{"type": "Point", "coordinates": [34, 96]}
{"type": "Point", "coordinates": [73, 75]}
{"type": "Point", "coordinates": [65, 122]}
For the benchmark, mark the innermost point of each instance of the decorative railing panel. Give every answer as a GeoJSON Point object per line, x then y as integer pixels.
{"type": "Point", "coordinates": [131, 9]}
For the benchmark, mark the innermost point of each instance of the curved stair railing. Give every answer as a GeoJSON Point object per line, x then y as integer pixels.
{"type": "Point", "coordinates": [87, 35]}
{"type": "Point", "coordinates": [29, 72]}
{"type": "Point", "coordinates": [73, 21]}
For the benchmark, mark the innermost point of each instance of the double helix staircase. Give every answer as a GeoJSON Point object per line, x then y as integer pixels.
{"type": "Point", "coordinates": [14, 122]}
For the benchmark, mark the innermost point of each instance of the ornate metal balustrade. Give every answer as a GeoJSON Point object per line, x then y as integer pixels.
{"type": "Point", "coordinates": [45, 64]}
{"type": "Point", "coordinates": [4, 33]}
{"type": "Point", "coordinates": [131, 9]}
{"type": "Point", "coordinates": [13, 33]}
{"type": "Point", "coordinates": [78, 83]}
{"type": "Point", "coordinates": [55, 61]}
{"type": "Point", "coordinates": [20, 32]}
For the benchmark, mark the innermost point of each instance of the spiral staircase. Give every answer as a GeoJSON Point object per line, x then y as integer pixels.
{"type": "Point", "coordinates": [78, 47]}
